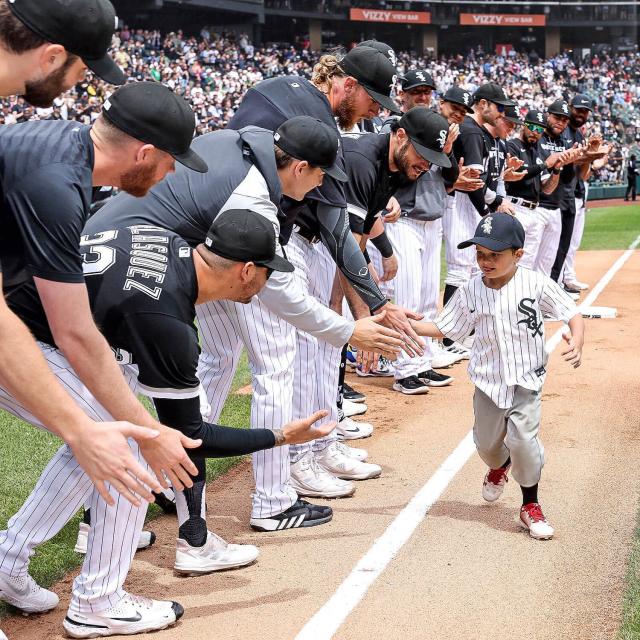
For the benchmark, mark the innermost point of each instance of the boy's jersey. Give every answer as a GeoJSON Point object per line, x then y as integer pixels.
{"type": "Point", "coordinates": [509, 347]}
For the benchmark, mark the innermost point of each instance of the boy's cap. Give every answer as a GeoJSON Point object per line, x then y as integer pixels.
{"type": "Point", "coordinates": [497, 232]}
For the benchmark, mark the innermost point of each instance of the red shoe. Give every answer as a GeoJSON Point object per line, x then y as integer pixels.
{"type": "Point", "coordinates": [494, 482]}
{"type": "Point", "coordinates": [532, 518]}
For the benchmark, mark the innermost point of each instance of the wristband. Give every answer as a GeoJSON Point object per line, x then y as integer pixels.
{"type": "Point", "coordinates": [556, 171]}
{"type": "Point", "coordinates": [383, 245]}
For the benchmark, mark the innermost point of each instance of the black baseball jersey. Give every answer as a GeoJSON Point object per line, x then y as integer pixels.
{"type": "Point", "coordinates": [142, 289]}
{"type": "Point", "coordinates": [46, 191]}
{"type": "Point", "coordinates": [528, 188]}
{"type": "Point", "coordinates": [570, 184]}
{"type": "Point", "coordinates": [546, 146]}
{"type": "Point", "coordinates": [474, 145]}
{"type": "Point", "coordinates": [268, 104]}
{"type": "Point", "coordinates": [495, 167]}
{"type": "Point", "coordinates": [371, 183]}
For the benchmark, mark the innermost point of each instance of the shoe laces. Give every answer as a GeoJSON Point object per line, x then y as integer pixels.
{"type": "Point", "coordinates": [534, 510]}
{"type": "Point", "coordinates": [414, 380]}
{"type": "Point", "coordinates": [138, 601]}
{"type": "Point", "coordinates": [497, 476]}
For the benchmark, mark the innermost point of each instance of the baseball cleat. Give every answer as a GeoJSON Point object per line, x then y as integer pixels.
{"type": "Point", "coordinates": [532, 518]}
{"type": "Point", "coordinates": [434, 379]}
{"type": "Point", "coordinates": [300, 514]}
{"type": "Point", "coordinates": [350, 408]}
{"type": "Point", "coordinates": [349, 429]}
{"type": "Point", "coordinates": [353, 452]}
{"type": "Point", "coordinates": [309, 479]}
{"type": "Point", "coordinates": [215, 555]}
{"type": "Point", "coordinates": [411, 386]}
{"type": "Point", "coordinates": [133, 614]}
{"type": "Point", "coordinates": [334, 461]}
{"type": "Point", "coordinates": [349, 393]}
{"type": "Point", "coordinates": [352, 358]}
{"type": "Point", "coordinates": [457, 349]}
{"type": "Point", "coordinates": [381, 370]}
{"type": "Point", "coordinates": [443, 359]}
{"type": "Point", "coordinates": [146, 539]}
{"type": "Point", "coordinates": [577, 285]}
{"type": "Point", "coordinates": [24, 593]}
{"type": "Point", "coordinates": [494, 481]}
{"type": "Point", "coordinates": [572, 293]}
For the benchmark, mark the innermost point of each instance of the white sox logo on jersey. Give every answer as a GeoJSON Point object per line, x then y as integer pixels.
{"type": "Point", "coordinates": [442, 138]}
{"type": "Point", "coordinates": [525, 307]}
{"type": "Point", "coordinates": [487, 225]}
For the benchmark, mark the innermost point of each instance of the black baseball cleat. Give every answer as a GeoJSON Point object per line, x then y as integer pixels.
{"type": "Point", "coordinates": [299, 514]}
{"type": "Point", "coordinates": [165, 502]}
{"type": "Point", "coordinates": [349, 393]}
{"type": "Point", "coordinates": [411, 386]}
{"type": "Point", "coordinates": [435, 379]}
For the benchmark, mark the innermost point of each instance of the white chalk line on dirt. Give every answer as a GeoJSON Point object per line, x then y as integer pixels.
{"type": "Point", "coordinates": [324, 624]}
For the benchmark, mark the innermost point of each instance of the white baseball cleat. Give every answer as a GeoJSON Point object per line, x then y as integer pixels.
{"type": "Point", "coordinates": [532, 518]}
{"type": "Point", "coordinates": [133, 614]}
{"type": "Point", "coordinates": [333, 460]}
{"type": "Point", "coordinates": [146, 539]}
{"type": "Point", "coordinates": [443, 359]}
{"type": "Point", "coordinates": [349, 429]}
{"type": "Point", "coordinates": [311, 480]}
{"type": "Point", "coordinates": [494, 481]}
{"type": "Point", "coordinates": [350, 408]}
{"type": "Point", "coordinates": [458, 349]}
{"type": "Point", "coordinates": [24, 593]}
{"type": "Point", "coordinates": [353, 452]}
{"type": "Point", "coordinates": [215, 555]}
{"type": "Point", "coordinates": [576, 284]}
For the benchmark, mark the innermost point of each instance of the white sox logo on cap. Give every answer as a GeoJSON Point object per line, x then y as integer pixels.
{"type": "Point", "coordinates": [487, 225]}
{"type": "Point", "coordinates": [442, 138]}
{"type": "Point", "coordinates": [420, 76]}
{"type": "Point", "coordinates": [392, 57]}
{"type": "Point", "coordinates": [540, 118]}
{"type": "Point", "coordinates": [465, 98]}
{"type": "Point", "coordinates": [394, 80]}
{"type": "Point", "coordinates": [565, 108]}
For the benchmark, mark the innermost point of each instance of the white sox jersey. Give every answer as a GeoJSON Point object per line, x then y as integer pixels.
{"type": "Point", "coordinates": [509, 347]}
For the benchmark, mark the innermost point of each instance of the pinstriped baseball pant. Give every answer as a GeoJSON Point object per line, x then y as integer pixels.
{"type": "Point", "coordinates": [459, 223]}
{"type": "Point", "coordinates": [63, 488]}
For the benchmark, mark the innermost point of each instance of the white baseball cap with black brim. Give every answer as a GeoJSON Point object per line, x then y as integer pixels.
{"type": "Point", "coordinates": [428, 134]}
{"type": "Point", "coordinates": [497, 232]}
{"type": "Point", "coordinates": [374, 71]}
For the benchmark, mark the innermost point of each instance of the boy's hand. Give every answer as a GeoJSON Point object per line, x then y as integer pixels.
{"type": "Point", "coordinates": [573, 354]}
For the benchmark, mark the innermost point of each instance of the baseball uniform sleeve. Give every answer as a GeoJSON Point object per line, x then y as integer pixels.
{"type": "Point", "coordinates": [555, 302]}
{"type": "Point", "coordinates": [49, 207]}
{"type": "Point", "coordinates": [359, 190]}
{"type": "Point", "coordinates": [471, 148]}
{"type": "Point", "coordinates": [456, 320]}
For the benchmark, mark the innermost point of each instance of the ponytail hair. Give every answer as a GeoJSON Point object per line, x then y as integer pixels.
{"type": "Point", "coordinates": [327, 68]}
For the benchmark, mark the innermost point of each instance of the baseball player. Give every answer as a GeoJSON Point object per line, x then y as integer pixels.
{"type": "Point", "coordinates": [100, 448]}
{"type": "Point", "coordinates": [47, 171]}
{"type": "Point", "coordinates": [256, 173]}
{"type": "Point", "coordinates": [505, 305]}
{"type": "Point", "coordinates": [632, 173]}
{"type": "Point", "coordinates": [143, 284]}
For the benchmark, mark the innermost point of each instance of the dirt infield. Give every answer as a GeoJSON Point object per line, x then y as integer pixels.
{"type": "Point", "coordinates": [615, 202]}
{"type": "Point", "coordinates": [468, 572]}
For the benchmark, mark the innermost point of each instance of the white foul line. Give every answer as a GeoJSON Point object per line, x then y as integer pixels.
{"type": "Point", "coordinates": [324, 624]}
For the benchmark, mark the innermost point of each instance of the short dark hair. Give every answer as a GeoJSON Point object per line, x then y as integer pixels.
{"type": "Point", "coordinates": [15, 36]}
{"type": "Point", "coordinates": [283, 159]}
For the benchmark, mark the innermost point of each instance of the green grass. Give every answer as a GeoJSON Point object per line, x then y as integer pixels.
{"type": "Point", "coordinates": [27, 450]}
{"type": "Point", "coordinates": [630, 627]}
{"type": "Point", "coordinates": [611, 228]}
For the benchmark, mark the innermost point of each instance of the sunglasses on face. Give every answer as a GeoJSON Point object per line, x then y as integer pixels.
{"type": "Point", "coordinates": [536, 128]}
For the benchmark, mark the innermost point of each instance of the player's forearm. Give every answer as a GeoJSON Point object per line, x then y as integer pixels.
{"type": "Point", "coordinates": [427, 329]}
{"type": "Point", "coordinates": [92, 359]}
{"type": "Point", "coordinates": [356, 304]}
{"type": "Point", "coordinates": [550, 185]}
{"type": "Point", "coordinates": [577, 327]}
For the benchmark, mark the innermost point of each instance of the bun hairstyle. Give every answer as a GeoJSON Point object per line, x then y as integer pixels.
{"type": "Point", "coordinates": [326, 69]}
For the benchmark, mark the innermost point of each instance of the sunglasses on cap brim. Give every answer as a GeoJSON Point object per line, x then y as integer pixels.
{"type": "Point", "coordinates": [536, 128]}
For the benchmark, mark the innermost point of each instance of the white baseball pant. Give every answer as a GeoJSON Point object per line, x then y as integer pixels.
{"type": "Point", "coordinates": [417, 245]}
{"type": "Point", "coordinates": [62, 489]}
{"type": "Point", "coordinates": [317, 363]}
{"type": "Point", "coordinates": [459, 224]}
{"type": "Point", "coordinates": [531, 221]}
{"type": "Point", "coordinates": [569, 268]}
{"type": "Point", "coordinates": [270, 342]}
{"type": "Point", "coordinates": [551, 223]}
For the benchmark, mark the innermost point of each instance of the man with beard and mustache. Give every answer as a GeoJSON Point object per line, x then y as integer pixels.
{"type": "Point", "coordinates": [47, 47]}
{"type": "Point", "coordinates": [47, 173]}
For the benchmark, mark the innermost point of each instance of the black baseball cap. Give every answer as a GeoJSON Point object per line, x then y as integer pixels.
{"type": "Point", "coordinates": [310, 139]}
{"type": "Point", "coordinates": [373, 70]}
{"type": "Point", "coordinates": [536, 117]}
{"type": "Point", "coordinates": [428, 133]}
{"type": "Point", "coordinates": [493, 93]}
{"type": "Point", "coordinates": [152, 113]}
{"type": "Point", "coordinates": [382, 47]}
{"type": "Point", "coordinates": [83, 27]}
{"type": "Point", "coordinates": [581, 101]}
{"type": "Point", "coordinates": [242, 235]}
{"type": "Point", "coordinates": [497, 232]}
{"type": "Point", "coordinates": [512, 114]}
{"type": "Point", "coordinates": [417, 78]}
{"type": "Point", "coordinates": [559, 108]}
{"type": "Point", "coordinates": [458, 95]}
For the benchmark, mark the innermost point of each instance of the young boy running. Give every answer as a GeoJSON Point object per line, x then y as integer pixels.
{"type": "Point", "coordinates": [505, 305]}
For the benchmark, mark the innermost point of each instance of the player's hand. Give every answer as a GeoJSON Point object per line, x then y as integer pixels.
{"type": "Point", "coordinates": [367, 361]}
{"type": "Point", "coordinates": [103, 452]}
{"type": "Point", "coordinates": [303, 430]}
{"type": "Point", "coordinates": [506, 207]}
{"type": "Point", "coordinates": [513, 163]}
{"type": "Point", "coordinates": [370, 334]}
{"type": "Point", "coordinates": [468, 178]}
{"type": "Point", "coordinates": [390, 268]}
{"type": "Point", "coordinates": [167, 457]}
{"type": "Point", "coordinates": [398, 318]}
{"type": "Point", "coordinates": [452, 135]}
{"type": "Point", "coordinates": [573, 353]}
{"type": "Point", "coordinates": [393, 211]}
{"type": "Point", "coordinates": [513, 175]}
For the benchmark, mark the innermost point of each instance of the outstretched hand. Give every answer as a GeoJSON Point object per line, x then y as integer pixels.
{"type": "Point", "coordinates": [303, 430]}
{"type": "Point", "coordinates": [573, 353]}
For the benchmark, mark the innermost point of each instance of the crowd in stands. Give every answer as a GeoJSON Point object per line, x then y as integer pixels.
{"type": "Point", "coordinates": [215, 70]}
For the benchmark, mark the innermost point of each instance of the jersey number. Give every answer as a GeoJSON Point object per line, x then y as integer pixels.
{"type": "Point", "coordinates": [97, 257]}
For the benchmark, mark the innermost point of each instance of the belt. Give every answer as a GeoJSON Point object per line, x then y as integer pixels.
{"type": "Point", "coordinates": [308, 235]}
{"type": "Point", "coordinates": [524, 203]}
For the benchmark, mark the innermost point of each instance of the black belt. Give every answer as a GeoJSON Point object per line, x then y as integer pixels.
{"type": "Point", "coordinates": [524, 203]}
{"type": "Point", "coordinates": [308, 235]}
